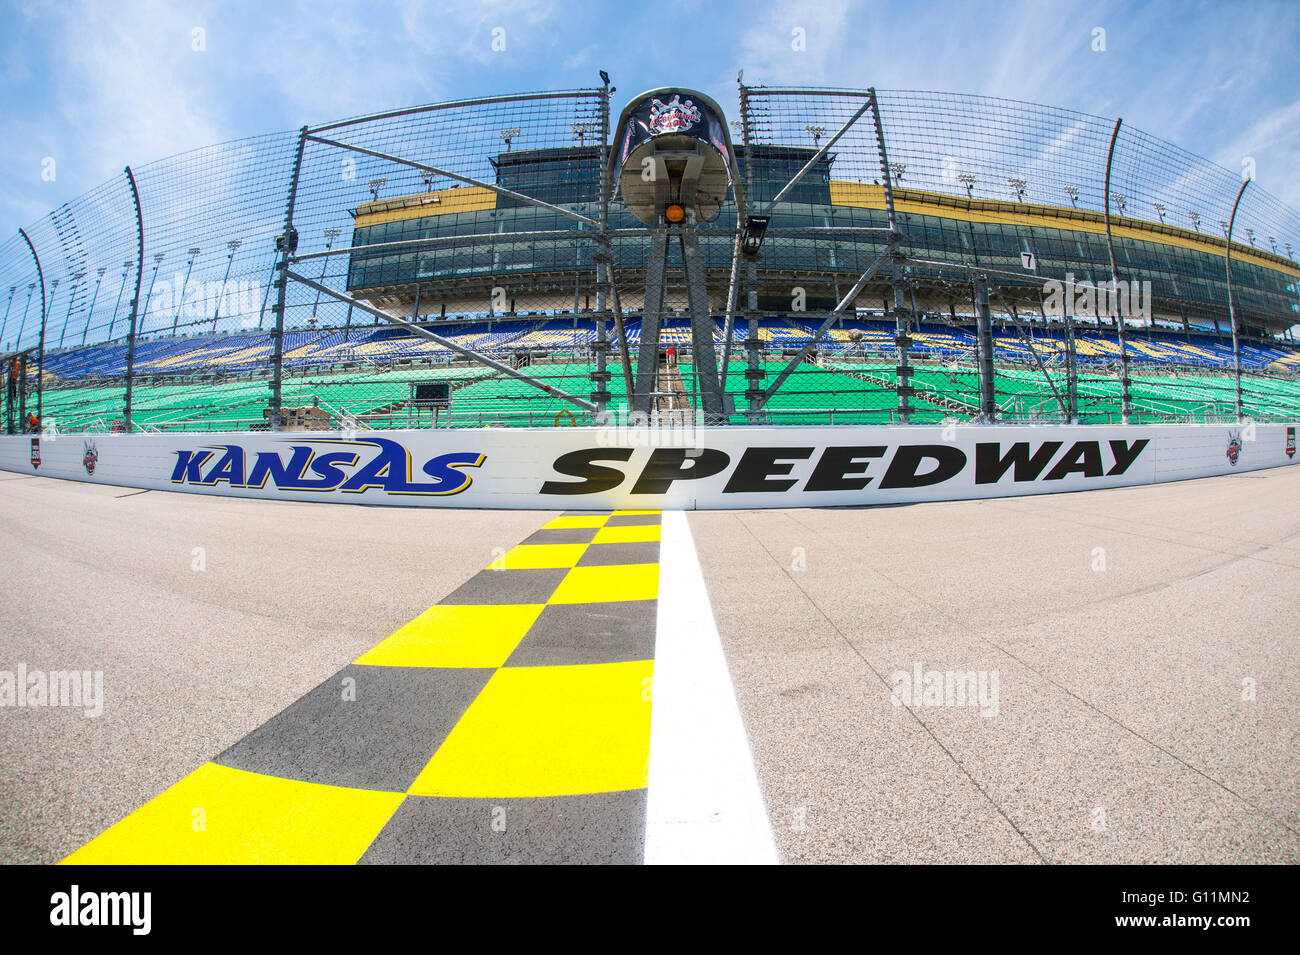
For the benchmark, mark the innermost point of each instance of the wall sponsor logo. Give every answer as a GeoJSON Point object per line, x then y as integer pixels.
{"type": "Point", "coordinates": [1290, 442]}
{"type": "Point", "coordinates": [357, 467]}
{"type": "Point", "coordinates": [89, 457]}
{"type": "Point", "coordinates": [845, 468]}
{"type": "Point", "coordinates": [36, 453]}
{"type": "Point", "coordinates": [1234, 447]}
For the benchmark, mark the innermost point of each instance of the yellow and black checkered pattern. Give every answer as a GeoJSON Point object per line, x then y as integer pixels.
{"type": "Point", "coordinates": [508, 723]}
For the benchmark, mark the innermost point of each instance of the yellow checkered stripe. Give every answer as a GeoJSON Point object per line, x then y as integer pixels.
{"type": "Point", "coordinates": [508, 723]}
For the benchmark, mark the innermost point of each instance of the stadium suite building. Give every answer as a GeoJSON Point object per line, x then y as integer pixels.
{"type": "Point", "coordinates": [812, 244]}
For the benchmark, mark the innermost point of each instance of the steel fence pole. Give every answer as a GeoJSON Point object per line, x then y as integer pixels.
{"type": "Point", "coordinates": [40, 358]}
{"type": "Point", "coordinates": [1232, 313]}
{"type": "Point", "coordinates": [286, 245]}
{"type": "Point", "coordinates": [600, 376]}
{"type": "Point", "coordinates": [1126, 403]}
{"type": "Point", "coordinates": [753, 344]}
{"type": "Point", "coordinates": [135, 301]}
{"type": "Point", "coordinates": [901, 315]}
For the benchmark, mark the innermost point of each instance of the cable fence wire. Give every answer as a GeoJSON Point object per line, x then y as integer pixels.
{"type": "Point", "coordinates": [395, 212]}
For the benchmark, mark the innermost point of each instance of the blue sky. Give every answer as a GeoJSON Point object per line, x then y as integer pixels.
{"type": "Point", "coordinates": [96, 85]}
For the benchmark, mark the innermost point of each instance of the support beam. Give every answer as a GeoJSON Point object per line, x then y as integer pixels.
{"type": "Point", "coordinates": [817, 156]}
{"type": "Point", "coordinates": [447, 174]}
{"type": "Point", "coordinates": [703, 354]}
{"type": "Point", "coordinates": [444, 342]}
{"type": "Point", "coordinates": [845, 305]}
{"type": "Point", "coordinates": [647, 361]}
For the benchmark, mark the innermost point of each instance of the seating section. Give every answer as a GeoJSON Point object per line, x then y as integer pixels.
{"type": "Point", "coordinates": [212, 382]}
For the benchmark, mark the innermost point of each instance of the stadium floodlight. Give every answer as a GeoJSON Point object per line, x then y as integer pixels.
{"type": "Point", "coordinates": [509, 136]}
{"type": "Point", "coordinates": [1289, 253]}
{"type": "Point", "coordinates": [232, 246]}
{"type": "Point", "coordinates": [1223, 224]}
{"type": "Point", "coordinates": [967, 180]}
{"type": "Point", "coordinates": [897, 170]}
{"type": "Point", "coordinates": [1018, 188]}
{"type": "Point", "coordinates": [180, 299]}
{"type": "Point", "coordinates": [816, 132]}
{"type": "Point", "coordinates": [1196, 220]}
{"type": "Point", "coordinates": [1073, 193]}
{"type": "Point", "coordinates": [330, 234]}
{"type": "Point", "coordinates": [1160, 211]}
{"type": "Point", "coordinates": [1273, 242]}
{"type": "Point", "coordinates": [375, 186]}
{"type": "Point", "coordinates": [1250, 236]}
{"type": "Point", "coordinates": [1121, 201]}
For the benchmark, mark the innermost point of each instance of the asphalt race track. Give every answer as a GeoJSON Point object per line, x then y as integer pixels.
{"type": "Point", "coordinates": [541, 686]}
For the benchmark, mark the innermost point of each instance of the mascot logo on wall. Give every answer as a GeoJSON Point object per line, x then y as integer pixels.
{"type": "Point", "coordinates": [89, 457]}
{"type": "Point", "coordinates": [1234, 447]}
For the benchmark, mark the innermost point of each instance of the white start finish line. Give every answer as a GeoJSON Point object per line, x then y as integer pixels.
{"type": "Point", "coordinates": [704, 804]}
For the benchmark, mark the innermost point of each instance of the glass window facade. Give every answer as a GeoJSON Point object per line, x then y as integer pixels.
{"type": "Point", "coordinates": [571, 177]}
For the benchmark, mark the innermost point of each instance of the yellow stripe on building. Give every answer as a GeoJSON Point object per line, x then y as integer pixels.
{"type": "Point", "coordinates": [440, 202]}
{"type": "Point", "coordinates": [914, 201]}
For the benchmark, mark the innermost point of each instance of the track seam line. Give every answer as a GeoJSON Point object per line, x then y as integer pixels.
{"type": "Point", "coordinates": [858, 653]}
{"type": "Point", "coordinates": [1178, 759]}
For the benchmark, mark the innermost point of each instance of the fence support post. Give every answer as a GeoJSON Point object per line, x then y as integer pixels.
{"type": "Point", "coordinates": [901, 313]}
{"type": "Point", "coordinates": [1126, 403]}
{"type": "Point", "coordinates": [135, 299]}
{"type": "Point", "coordinates": [286, 244]}
{"type": "Point", "coordinates": [984, 329]}
{"type": "Point", "coordinates": [1232, 314]}
{"type": "Point", "coordinates": [600, 376]}
{"type": "Point", "coordinates": [40, 358]}
{"type": "Point", "coordinates": [753, 344]}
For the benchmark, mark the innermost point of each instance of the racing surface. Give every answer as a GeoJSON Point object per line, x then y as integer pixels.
{"type": "Point", "coordinates": [1134, 650]}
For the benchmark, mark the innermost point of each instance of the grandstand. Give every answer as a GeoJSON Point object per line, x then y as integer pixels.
{"type": "Point", "coordinates": [481, 244]}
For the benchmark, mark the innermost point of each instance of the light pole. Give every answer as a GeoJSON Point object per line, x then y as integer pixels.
{"type": "Point", "coordinates": [72, 297]}
{"type": "Point", "coordinates": [5, 323]}
{"type": "Point", "coordinates": [144, 312]}
{"type": "Point", "coordinates": [1073, 193]}
{"type": "Point", "coordinates": [509, 136]}
{"type": "Point", "coordinates": [126, 270]}
{"type": "Point", "coordinates": [330, 235]}
{"type": "Point", "coordinates": [967, 180]}
{"type": "Point", "coordinates": [232, 246]}
{"type": "Point", "coordinates": [1196, 220]}
{"type": "Point", "coordinates": [375, 186]}
{"type": "Point", "coordinates": [99, 280]}
{"type": "Point", "coordinates": [1018, 188]}
{"type": "Point", "coordinates": [180, 303]}
{"type": "Point", "coordinates": [1160, 211]}
{"type": "Point", "coordinates": [23, 324]}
